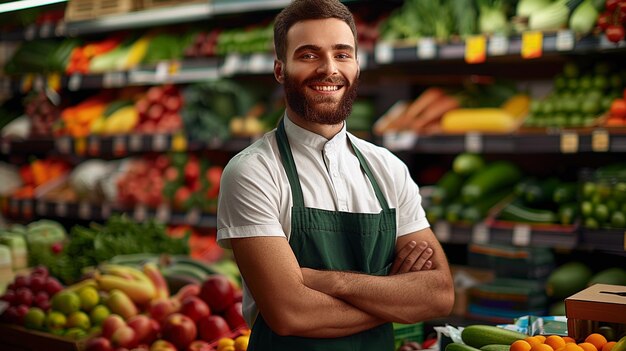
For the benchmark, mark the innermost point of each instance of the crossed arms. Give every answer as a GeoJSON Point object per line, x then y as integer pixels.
{"type": "Point", "coordinates": [325, 304]}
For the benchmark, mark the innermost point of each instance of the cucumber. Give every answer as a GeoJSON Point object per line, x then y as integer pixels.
{"type": "Point", "coordinates": [493, 177]}
{"type": "Point", "coordinates": [480, 335]}
{"type": "Point", "coordinates": [447, 188]}
{"type": "Point", "coordinates": [478, 211]}
{"type": "Point", "coordinates": [517, 212]}
{"type": "Point", "coordinates": [467, 164]}
{"type": "Point", "coordinates": [496, 347]}
{"type": "Point", "coordinates": [541, 192]}
{"type": "Point", "coordinates": [460, 347]}
{"type": "Point", "coordinates": [565, 192]}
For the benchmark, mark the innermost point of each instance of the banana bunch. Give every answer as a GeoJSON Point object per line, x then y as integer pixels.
{"type": "Point", "coordinates": [136, 284]}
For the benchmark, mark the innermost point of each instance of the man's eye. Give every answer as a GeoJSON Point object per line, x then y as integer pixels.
{"type": "Point", "coordinates": [308, 56]}
{"type": "Point", "coordinates": [343, 56]}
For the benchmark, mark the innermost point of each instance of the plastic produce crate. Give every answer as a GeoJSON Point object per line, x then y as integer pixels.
{"type": "Point", "coordinates": [80, 10]}
{"type": "Point", "coordinates": [408, 332]}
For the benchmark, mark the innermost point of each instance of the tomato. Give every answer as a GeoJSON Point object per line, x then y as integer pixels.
{"type": "Point", "coordinates": [611, 5]}
{"type": "Point", "coordinates": [618, 108]}
{"type": "Point", "coordinates": [614, 33]}
{"type": "Point", "coordinates": [604, 21]}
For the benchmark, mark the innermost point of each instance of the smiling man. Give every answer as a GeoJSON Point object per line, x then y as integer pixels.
{"type": "Point", "coordinates": [327, 229]}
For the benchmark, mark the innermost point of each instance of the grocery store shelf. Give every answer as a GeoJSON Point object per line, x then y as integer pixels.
{"type": "Point", "coordinates": [40, 208]}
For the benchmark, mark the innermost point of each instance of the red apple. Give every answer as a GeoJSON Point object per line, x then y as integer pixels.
{"type": "Point", "coordinates": [194, 308]}
{"type": "Point", "coordinates": [218, 293]}
{"type": "Point", "coordinates": [145, 327]}
{"type": "Point", "coordinates": [162, 345]}
{"type": "Point", "coordinates": [124, 336]}
{"type": "Point", "coordinates": [42, 300]}
{"type": "Point", "coordinates": [162, 308]}
{"type": "Point", "coordinates": [9, 296]}
{"type": "Point", "coordinates": [98, 344]}
{"type": "Point", "coordinates": [141, 347]}
{"type": "Point", "coordinates": [212, 328]}
{"type": "Point", "coordinates": [180, 330]}
{"type": "Point", "coordinates": [37, 283]}
{"type": "Point", "coordinates": [52, 286]}
{"type": "Point", "coordinates": [234, 316]}
{"type": "Point", "coordinates": [23, 296]}
{"type": "Point", "coordinates": [112, 323]}
{"type": "Point", "coordinates": [21, 281]}
{"type": "Point", "coordinates": [40, 270]}
{"type": "Point", "coordinates": [200, 345]}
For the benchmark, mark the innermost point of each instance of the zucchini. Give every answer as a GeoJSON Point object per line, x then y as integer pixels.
{"type": "Point", "coordinates": [480, 335]}
{"type": "Point", "coordinates": [517, 212]}
{"type": "Point", "coordinates": [460, 347]}
{"type": "Point", "coordinates": [496, 347]}
{"type": "Point", "coordinates": [447, 188]}
{"type": "Point", "coordinates": [541, 192]}
{"type": "Point", "coordinates": [565, 192]}
{"type": "Point", "coordinates": [493, 177]}
{"type": "Point", "coordinates": [477, 211]}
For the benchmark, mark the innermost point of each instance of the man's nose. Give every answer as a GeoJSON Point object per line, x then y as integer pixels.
{"type": "Point", "coordinates": [327, 66]}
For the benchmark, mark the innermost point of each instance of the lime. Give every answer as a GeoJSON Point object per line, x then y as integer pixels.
{"type": "Point", "coordinates": [619, 191]}
{"type": "Point", "coordinates": [600, 82]}
{"type": "Point", "coordinates": [66, 302]}
{"type": "Point", "coordinates": [570, 70]}
{"type": "Point", "coordinates": [591, 223]}
{"type": "Point", "coordinates": [89, 298]}
{"type": "Point", "coordinates": [586, 208]}
{"type": "Point", "coordinates": [618, 220]}
{"type": "Point", "coordinates": [601, 213]}
{"type": "Point", "coordinates": [76, 333]}
{"type": "Point", "coordinates": [589, 188]}
{"type": "Point", "coordinates": [78, 319]}
{"type": "Point", "coordinates": [55, 320]}
{"type": "Point", "coordinates": [35, 318]}
{"type": "Point", "coordinates": [99, 314]}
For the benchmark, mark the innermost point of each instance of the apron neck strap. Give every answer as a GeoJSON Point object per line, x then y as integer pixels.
{"type": "Point", "coordinates": [292, 171]}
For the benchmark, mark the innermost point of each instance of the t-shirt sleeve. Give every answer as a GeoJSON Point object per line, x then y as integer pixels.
{"type": "Point", "coordinates": [248, 203]}
{"type": "Point", "coordinates": [411, 214]}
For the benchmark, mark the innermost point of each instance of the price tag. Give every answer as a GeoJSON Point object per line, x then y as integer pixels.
{"type": "Point", "coordinates": [476, 49]}
{"type": "Point", "coordinates": [193, 216]}
{"type": "Point", "coordinates": [74, 82]}
{"type": "Point", "coordinates": [94, 146]}
{"type": "Point", "coordinates": [45, 31]}
{"type": "Point", "coordinates": [565, 40]}
{"type": "Point", "coordinates": [179, 142]}
{"type": "Point", "coordinates": [30, 31]}
{"type": "Point", "coordinates": [54, 81]}
{"type": "Point", "coordinates": [5, 146]}
{"type": "Point", "coordinates": [84, 210]}
{"type": "Point", "coordinates": [532, 45]}
{"type": "Point", "coordinates": [27, 208]}
{"type": "Point", "coordinates": [442, 231]}
{"type": "Point", "coordinates": [41, 208]}
{"type": "Point", "coordinates": [119, 145]}
{"type": "Point", "coordinates": [498, 45]}
{"type": "Point", "coordinates": [135, 143]}
{"type": "Point", "coordinates": [60, 29]}
{"type": "Point", "coordinates": [600, 140]}
{"type": "Point", "coordinates": [569, 142]}
{"type": "Point", "coordinates": [174, 68]}
{"type": "Point", "coordinates": [426, 48]}
{"type": "Point", "coordinates": [113, 80]}
{"type": "Point", "coordinates": [383, 53]}
{"type": "Point", "coordinates": [163, 213]}
{"type": "Point", "coordinates": [521, 235]}
{"type": "Point", "coordinates": [80, 146]}
{"type": "Point", "coordinates": [162, 71]}
{"type": "Point", "coordinates": [60, 209]}
{"type": "Point", "coordinates": [480, 234]}
{"type": "Point", "coordinates": [105, 211]}
{"type": "Point", "coordinates": [141, 213]}
{"type": "Point", "coordinates": [63, 145]}
{"type": "Point", "coordinates": [159, 142]}
{"type": "Point", "coordinates": [473, 142]}
{"type": "Point", "coordinates": [232, 65]}
{"type": "Point", "coordinates": [399, 141]}
{"type": "Point", "coordinates": [257, 63]}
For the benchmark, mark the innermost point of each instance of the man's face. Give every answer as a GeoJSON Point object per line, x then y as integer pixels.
{"type": "Point", "coordinates": [321, 71]}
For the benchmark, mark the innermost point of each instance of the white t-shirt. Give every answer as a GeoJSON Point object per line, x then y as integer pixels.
{"type": "Point", "coordinates": [255, 195]}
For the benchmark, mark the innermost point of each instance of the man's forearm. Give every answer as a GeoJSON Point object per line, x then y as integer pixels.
{"type": "Point", "coordinates": [404, 298]}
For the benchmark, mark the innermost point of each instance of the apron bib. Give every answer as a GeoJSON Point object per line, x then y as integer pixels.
{"type": "Point", "coordinates": [333, 240]}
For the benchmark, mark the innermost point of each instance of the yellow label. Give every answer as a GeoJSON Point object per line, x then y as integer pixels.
{"type": "Point", "coordinates": [476, 49]}
{"type": "Point", "coordinates": [179, 142]}
{"type": "Point", "coordinates": [569, 143]}
{"type": "Point", "coordinates": [532, 45]}
{"type": "Point", "coordinates": [174, 68]}
{"type": "Point", "coordinates": [54, 81]}
{"type": "Point", "coordinates": [27, 82]}
{"type": "Point", "coordinates": [600, 140]}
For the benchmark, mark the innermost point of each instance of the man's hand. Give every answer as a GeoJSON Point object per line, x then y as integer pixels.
{"type": "Point", "coordinates": [412, 257]}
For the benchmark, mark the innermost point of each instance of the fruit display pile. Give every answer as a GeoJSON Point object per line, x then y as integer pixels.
{"type": "Point", "coordinates": [484, 337]}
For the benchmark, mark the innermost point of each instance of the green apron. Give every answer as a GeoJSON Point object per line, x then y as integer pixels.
{"type": "Point", "coordinates": [330, 240]}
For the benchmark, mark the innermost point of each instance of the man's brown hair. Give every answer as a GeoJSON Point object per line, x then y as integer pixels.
{"type": "Point", "coordinates": [301, 10]}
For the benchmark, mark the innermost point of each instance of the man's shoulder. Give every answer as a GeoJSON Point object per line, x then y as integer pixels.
{"type": "Point", "coordinates": [260, 153]}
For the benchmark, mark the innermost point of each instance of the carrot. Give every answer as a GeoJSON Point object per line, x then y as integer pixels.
{"type": "Point", "coordinates": [434, 112]}
{"type": "Point", "coordinates": [427, 98]}
{"type": "Point", "coordinates": [395, 111]}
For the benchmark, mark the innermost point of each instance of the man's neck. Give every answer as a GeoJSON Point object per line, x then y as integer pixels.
{"type": "Point", "coordinates": [328, 131]}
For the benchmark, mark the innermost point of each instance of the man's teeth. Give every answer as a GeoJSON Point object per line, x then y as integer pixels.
{"type": "Point", "coordinates": [326, 87]}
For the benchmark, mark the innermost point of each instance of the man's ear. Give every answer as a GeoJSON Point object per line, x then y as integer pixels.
{"type": "Point", "coordinates": [279, 71]}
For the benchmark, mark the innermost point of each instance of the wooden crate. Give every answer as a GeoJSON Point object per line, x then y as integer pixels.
{"type": "Point", "coordinates": [80, 10]}
{"type": "Point", "coordinates": [149, 4]}
{"type": "Point", "coordinates": [16, 338]}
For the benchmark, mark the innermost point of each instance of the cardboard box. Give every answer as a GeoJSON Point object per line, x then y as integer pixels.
{"type": "Point", "coordinates": [464, 278]}
{"type": "Point", "coordinates": [597, 306]}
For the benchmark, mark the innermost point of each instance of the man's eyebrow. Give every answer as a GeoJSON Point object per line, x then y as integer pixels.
{"type": "Point", "coordinates": [311, 47]}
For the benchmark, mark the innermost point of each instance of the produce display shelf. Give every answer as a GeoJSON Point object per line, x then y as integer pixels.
{"type": "Point", "coordinates": [29, 209]}
{"type": "Point", "coordinates": [17, 338]}
{"type": "Point", "coordinates": [34, 31]}
{"type": "Point", "coordinates": [604, 239]}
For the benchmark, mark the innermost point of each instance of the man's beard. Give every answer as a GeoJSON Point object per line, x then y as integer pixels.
{"type": "Point", "coordinates": [317, 109]}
